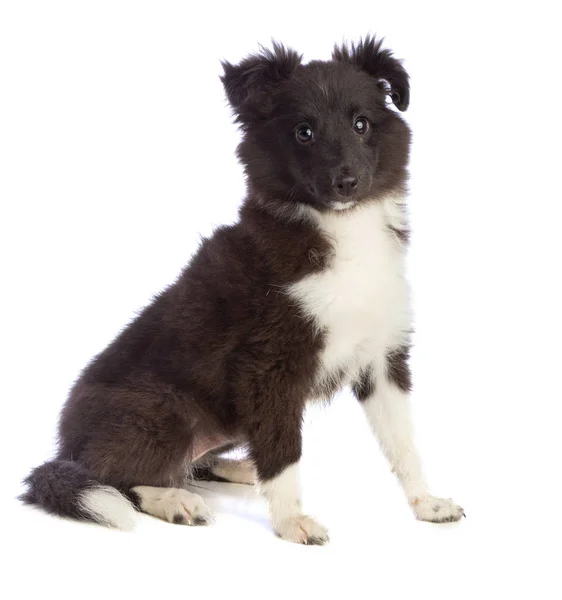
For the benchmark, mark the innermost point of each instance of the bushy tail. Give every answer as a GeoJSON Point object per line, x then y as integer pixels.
{"type": "Point", "coordinates": [66, 488]}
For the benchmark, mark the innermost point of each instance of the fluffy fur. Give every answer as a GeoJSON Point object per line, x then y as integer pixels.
{"type": "Point", "coordinates": [304, 294]}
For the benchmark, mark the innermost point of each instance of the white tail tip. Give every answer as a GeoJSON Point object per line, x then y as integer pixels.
{"type": "Point", "coordinates": [107, 506]}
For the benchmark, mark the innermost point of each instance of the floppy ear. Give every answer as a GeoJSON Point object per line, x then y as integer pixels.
{"type": "Point", "coordinates": [247, 83]}
{"type": "Point", "coordinates": [379, 63]}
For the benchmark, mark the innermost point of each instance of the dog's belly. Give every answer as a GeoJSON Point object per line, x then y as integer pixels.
{"type": "Point", "coordinates": [361, 302]}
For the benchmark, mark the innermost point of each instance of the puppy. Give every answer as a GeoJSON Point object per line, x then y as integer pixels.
{"type": "Point", "coordinates": [305, 294]}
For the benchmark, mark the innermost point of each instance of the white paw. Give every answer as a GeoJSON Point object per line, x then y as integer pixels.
{"type": "Point", "coordinates": [436, 510]}
{"type": "Point", "coordinates": [302, 530]}
{"type": "Point", "coordinates": [174, 505]}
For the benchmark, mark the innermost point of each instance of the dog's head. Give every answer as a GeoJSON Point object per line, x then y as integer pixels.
{"type": "Point", "coordinates": [323, 133]}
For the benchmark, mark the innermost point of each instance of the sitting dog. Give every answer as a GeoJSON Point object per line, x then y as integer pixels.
{"type": "Point", "coordinates": [305, 294]}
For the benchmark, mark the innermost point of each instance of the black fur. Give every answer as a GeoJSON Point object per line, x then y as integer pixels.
{"type": "Point", "coordinates": [273, 94]}
{"type": "Point", "coordinates": [398, 368]}
{"type": "Point", "coordinates": [365, 385]}
{"type": "Point", "coordinates": [223, 356]}
{"type": "Point", "coordinates": [56, 486]}
{"type": "Point", "coordinates": [369, 56]}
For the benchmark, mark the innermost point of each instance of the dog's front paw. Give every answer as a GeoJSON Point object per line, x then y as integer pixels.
{"type": "Point", "coordinates": [302, 530]}
{"type": "Point", "coordinates": [436, 510]}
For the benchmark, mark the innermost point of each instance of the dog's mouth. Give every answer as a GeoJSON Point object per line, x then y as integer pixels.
{"type": "Point", "coordinates": [336, 202]}
{"type": "Point", "coordinates": [341, 206]}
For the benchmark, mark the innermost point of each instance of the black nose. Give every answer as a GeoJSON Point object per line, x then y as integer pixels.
{"type": "Point", "coordinates": [345, 185]}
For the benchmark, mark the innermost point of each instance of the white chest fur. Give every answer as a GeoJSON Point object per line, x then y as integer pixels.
{"type": "Point", "coordinates": [361, 301]}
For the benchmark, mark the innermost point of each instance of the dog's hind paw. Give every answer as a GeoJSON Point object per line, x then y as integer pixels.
{"type": "Point", "coordinates": [173, 505]}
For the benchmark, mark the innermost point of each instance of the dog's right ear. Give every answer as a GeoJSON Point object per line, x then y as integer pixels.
{"type": "Point", "coordinates": [248, 83]}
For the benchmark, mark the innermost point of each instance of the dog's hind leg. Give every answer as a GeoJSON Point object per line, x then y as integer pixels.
{"type": "Point", "coordinates": [235, 471]}
{"type": "Point", "coordinates": [226, 469]}
{"type": "Point", "coordinates": [171, 504]}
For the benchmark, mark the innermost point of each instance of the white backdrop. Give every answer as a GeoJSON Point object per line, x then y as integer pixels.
{"type": "Point", "coordinates": [117, 153]}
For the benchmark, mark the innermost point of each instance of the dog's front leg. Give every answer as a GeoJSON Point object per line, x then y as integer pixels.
{"type": "Point", "coordinates": [275, 447]}
{"type": "Point", "coordinates": [384, 395]}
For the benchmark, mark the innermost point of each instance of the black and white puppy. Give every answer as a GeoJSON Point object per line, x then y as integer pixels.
{"type": "Point", "coordinates": [305, 294]}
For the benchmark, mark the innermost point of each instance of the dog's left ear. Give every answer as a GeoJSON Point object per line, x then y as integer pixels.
{"type": "Point", "coordinates": [379, 63]}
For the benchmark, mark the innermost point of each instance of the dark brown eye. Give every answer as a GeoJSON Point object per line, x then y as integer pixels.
{"type": "Point", "coordinates": [304, 134]}
{"type": "Point", "coordinates": [361, 125]}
